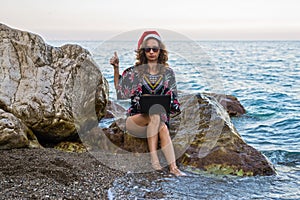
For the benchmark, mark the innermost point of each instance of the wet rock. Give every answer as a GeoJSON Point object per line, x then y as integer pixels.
{"type": "Point", "coordinates": [54, 91]}
{"type": "Point", "coordinates": [68, 146]}
{"type": "Point", "coordinates": [115, 134]}
{"type": "Point", "coordinates": [135, 144]}
{"type": "Point", "coordinates": [230, 103]}
{"type": "Point", "coordinates": [113, 109]}
{"type": "Point", "coordinates": [216, 145]}
{"type": "Point", "coordinates": [14, 133]}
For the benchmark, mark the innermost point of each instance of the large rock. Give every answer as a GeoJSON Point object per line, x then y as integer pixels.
{"type": "Point", "coordinates": [14, 133]}
{"type": "Point", "coordinates": [215, 145]}
{"type": "Point", "coordinates": [52, 90]}
{"type": "Point", "coordinates": [230, 103]}
{"type": "Point", "coordinates": [203, 137]}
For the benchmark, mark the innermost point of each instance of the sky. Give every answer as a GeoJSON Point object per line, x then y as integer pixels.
{"type": "Point", "coordinates": [197, 19]}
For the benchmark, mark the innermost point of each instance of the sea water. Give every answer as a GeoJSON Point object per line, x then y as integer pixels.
{"type": "Point", "coordinates": [264, 76]}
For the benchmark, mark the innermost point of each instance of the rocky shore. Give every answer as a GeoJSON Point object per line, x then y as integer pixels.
{"type": "Point", "coordinates": [57, 95]}
{"type": "Point", "coordinates": [48, 173]}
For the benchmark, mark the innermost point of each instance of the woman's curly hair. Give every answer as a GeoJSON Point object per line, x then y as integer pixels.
{"type": "Point", "coordinates": [142, 61]}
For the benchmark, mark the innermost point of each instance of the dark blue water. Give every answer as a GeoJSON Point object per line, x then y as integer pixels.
{"type": "Point", "coordinates": [265, 77]}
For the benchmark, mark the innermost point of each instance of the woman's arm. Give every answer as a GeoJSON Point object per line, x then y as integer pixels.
{"type": "Point", "coordinates": [114, 61]}
{"type": "Point", "coordinates": [125, 83]}
{"type": "Point", "coordinates": [116, 76]}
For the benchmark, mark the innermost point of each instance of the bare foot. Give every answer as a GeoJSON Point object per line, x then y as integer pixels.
{"type": "Point", "coordinates": [156, 166]}
{"type": "Point", "coordinates": [176, 171]}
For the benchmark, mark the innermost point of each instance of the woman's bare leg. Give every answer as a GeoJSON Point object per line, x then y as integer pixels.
{"type": "Point", "coordinates": [136, 125]}
{"type": "Point", "coordinates": [154, 126]}
{"type": "Point", "coordinates": [149, 125]}
{"type": "Point", "coordinates": [168, 150]}
{"type": "Point", "coordinates": [152, 135]}
{"type": "Point", "coordinates": [140, 119]}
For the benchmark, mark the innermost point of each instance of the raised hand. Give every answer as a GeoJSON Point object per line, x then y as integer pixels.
{"type": "Point", "coordinates": [115, 60]}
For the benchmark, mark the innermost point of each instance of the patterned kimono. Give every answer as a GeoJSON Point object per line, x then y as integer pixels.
{"type": "Point", "coordinates": [132, 86]}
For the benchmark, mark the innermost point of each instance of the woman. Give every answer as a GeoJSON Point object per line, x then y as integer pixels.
{"type": "Point", "coordinates": [150, 75]}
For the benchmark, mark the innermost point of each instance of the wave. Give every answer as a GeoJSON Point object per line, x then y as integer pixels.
{"type": "Point", "coordinates": [281, 157]}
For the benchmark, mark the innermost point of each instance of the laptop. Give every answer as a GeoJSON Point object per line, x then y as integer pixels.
{"type": "Point", "coordinates": [155, 104]}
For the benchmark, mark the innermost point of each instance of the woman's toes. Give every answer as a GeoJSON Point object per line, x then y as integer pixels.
{"type": "Point", "coordinates": [177, 172]}
{"type": "Point", "coordinates": [156, 166]}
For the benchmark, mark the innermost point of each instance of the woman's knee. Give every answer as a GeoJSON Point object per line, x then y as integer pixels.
{"type": "Point", "coordinates": [154, 119]}
{"type": "Point", "coordinates": [164, 131]}
{"type": "Point", "coordinates": [136, 126]}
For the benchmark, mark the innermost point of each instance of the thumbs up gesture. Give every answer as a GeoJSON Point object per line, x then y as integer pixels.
{"type": "Point", "coordinates": [115, 60]}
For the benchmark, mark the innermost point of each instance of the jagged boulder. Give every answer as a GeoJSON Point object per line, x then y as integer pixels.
{"type": "Point", "coordinates": [14, 133]}
{"type": "Point", "coordinates": [214, 144]}
{"type": "Point", "coordinates": [52, 90]}
{"type": "Point", "coordinates": [230, 103]}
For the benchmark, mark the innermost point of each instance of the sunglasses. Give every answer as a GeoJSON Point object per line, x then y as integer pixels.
{"type": "Point", "coordinates": [148, 49]}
